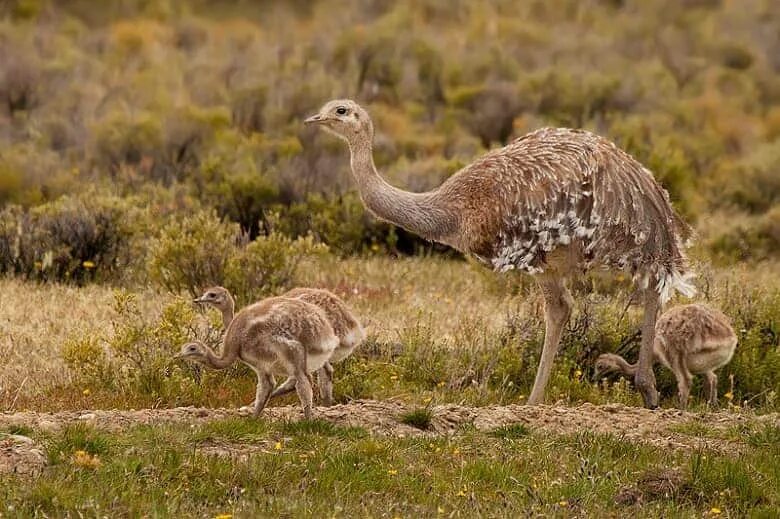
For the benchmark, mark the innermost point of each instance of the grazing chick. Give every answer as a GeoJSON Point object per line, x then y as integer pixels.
{"type": "Point", "coordinates": [689, 340]}
{"type": "Point", "coordinates": [273, 336]}
{"type": "Point", "coordinates": [346, 327]}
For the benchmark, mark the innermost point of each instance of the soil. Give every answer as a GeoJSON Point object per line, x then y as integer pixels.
{"type": "Point", "coordinates": [655, 427]}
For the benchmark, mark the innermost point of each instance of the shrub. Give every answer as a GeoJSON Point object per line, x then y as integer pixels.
{"type": "Point", "coordinates": [136, 359]}
{"type": "Point", "coordinates": [192, 253]}
{"type": "Point", "coordinates": [202, 250]}
{"type": "Point", "coordinates": [341, 222]}
{"type": "Point", "coordinates": [268, 264]}
{"type": "Point", "coordinates": [72, 239]}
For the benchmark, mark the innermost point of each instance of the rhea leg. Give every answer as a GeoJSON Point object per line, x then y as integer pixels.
{"type": "Point", "coordinates": [645, 378]}
{"type": "Point", "coordinates": [684, 380]}
{"type": "Point", "coordinates": [325, 379]}
{"type": "Point", "coordinates": [711, 387]}
{"type": "Point", "coordinates": [305, 394]}
{"type": "Point", "coordinates": [557, 309]}
{"type": "Point", "coordinates": [288, 386]}
{"type": "Point", "coordinates": [265, 383]}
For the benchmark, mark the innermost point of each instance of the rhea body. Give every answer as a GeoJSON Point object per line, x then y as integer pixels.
{"type": "Point", "coordinates": [273, 336]}
{"type": "Point", "coordinates": [553, 203]}
{"type": "Point", "coordinates": [689, 340]}
{"type": "Point", "coordinates": [345, 325]}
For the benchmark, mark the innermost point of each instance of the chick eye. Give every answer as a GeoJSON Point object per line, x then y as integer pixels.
{"type": "Point", "coordinates": [341, 110]}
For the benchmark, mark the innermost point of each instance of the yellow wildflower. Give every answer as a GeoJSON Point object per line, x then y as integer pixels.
{"type": "Point", "coordinates": [88, 264]}
{"type": "Point", "coordinates": [440, 510]}
{"type": "Point", "coordinates": [715, 511]}
{"type": "Point", "coordinates": [456, 452]}
{"type": "Point", "coordinates": [563, 503]}
{"type": "Point", "coordinates": [578, 373]}
{"type": "Point", "coordinates": [223, 516]}
{"type": "Point", "coordinates": [729, 396]}
{"type": "Point", "coordinates": [462, 493]}
{"type": "Point", "coordinates": [85, 460]}
{"type": "Point", "coordinates": [427, 399]}
{"type": "Point", "coordinates": [394, 377]}
{"type": "Point", "coordinates": [86, 392]}
{"type": "Point", "coordinates": [392, 472]}
{"type": "Point", "coordinates": [278, 446]}
{"type": "Point", "coordinates": [440, 384]}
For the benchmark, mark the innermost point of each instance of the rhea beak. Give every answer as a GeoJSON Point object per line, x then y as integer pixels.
{"type": "Point", "coordinates": [198, 300]}
{"type": "Point", "coordinates": [314, 119]}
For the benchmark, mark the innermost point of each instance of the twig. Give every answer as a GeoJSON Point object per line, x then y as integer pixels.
{"type": "Point", "coordinates": [16, 397]}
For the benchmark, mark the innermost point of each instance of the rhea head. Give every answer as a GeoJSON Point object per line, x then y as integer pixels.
{"type": "Point", "coordinates": [345, 119]}
{"type": "Point", "coordinates": [192, 351]}
{"type": "Point", "coordinates": [218, 297]}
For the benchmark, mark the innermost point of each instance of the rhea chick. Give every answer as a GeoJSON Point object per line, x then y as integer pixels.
{"type": "Point", "coordinates": [273, 336]}
{"type": "Point", "coordinates": [689, 340]}
{"type": "Point", "coordinates": [346, 327]}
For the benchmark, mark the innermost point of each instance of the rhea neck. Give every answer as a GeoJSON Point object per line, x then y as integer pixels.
{"type": "Point", "coordinates": [227, 309]}
{"type": "Point", "coordinates": [211, 360]}
{"type": "Point", "coordinates": [424, 214]}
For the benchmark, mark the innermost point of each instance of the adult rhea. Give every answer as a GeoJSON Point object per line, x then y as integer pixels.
{"type": "Point", "coordinates": [553, 203]}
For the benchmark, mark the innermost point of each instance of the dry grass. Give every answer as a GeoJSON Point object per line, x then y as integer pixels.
{"type": "Point", "coordinates": [392, 296]}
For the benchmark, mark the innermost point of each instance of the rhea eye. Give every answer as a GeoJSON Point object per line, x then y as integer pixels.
{"type": "Point", "coordinates": [341, 110]}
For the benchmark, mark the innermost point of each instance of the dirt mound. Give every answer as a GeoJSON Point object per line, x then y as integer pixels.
{"type": "Point", "coordinates": [380, 417]}
{"type": "Point", "coordinates": [20, 455]}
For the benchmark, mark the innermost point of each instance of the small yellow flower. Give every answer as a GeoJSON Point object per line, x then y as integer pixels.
{"type": "Point", "coordinates": [456, 452]}
{"type": "Point", "coordinates": [85, 460]}
{"type": "Point", "coordinates": [427, 399]}
{"type": "Point", "coordinates": [223, 516]}
{"type": "Point", "coordinates": [86, 392]}
{"type": "Point", "coordinates": [278, 446]}
{"type": "Point", "coordinates": [440, 510]}
{"type": "Point", "coordinates": [715, 511]}
{"type": "Point", "coordinates": [563, 503]}
{"type": "Point", "coordinates": [88, 264]}
{"type": "Point", "coordinates": [392, 472]}
{"type": "Point", "coordinates": [729, 396]}
{"type": "Point", "coordinates": [375, 247]}
{"type": "Point", "coordinates": [394, 377]}
{"type": "Point", "coordinates": [462, 493]}
{"type": "Point", "coordinates": [578, 373]}
{"type": "Point", "coordinates": [440, 384]}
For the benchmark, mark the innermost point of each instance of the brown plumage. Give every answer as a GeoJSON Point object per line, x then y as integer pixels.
{"type": "Point", "coordinates": [689, 340]}
{"type": "Point", "coordinates": [553, 203]}
{"type": "Point", "coordinates": [345, 325]}
{"type": "Point", "coordinates": [274, 336]}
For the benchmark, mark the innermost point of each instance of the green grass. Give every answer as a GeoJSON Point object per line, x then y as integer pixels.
{"type": "Point", "coordinates": [419, 418]}
{"type": "Point", "coordinates": [313, 468]}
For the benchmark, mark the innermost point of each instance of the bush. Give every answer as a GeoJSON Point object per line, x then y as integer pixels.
{"type": "Point", "coordinates": [342, 223]}
{"type": "Point", "coordinates": [73, 239]}
{"type": "Point", "coordinates": [136, 359]}
{"type": "Point", "coordinates": [202, 250]}
{"type": "Point", "coordinates": [193, 253]}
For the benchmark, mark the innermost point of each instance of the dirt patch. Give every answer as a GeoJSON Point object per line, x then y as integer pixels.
{"type": "Point", "coordinates": [20, 455]}
{"type": "Point", "coordinates": [382, 417]}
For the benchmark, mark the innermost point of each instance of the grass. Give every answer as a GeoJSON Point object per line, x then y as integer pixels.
{"type": "Point", "coordinates": [317, 469]}
{"type": "Point", "coordinates": [422, 347]}
{"type": "Point", "coordinates": [419, 418]}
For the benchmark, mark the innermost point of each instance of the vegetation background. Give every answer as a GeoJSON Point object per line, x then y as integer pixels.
{"type": "Point", "coordinates": [149, 149]}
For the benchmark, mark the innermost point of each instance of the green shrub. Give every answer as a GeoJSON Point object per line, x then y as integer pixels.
{"type": "Point", "coordinates": [136, 359]}
{"type": "Point", "coordinates": [342, 223]}
{"type": "Point", "coordinates": [267, 265]}
{"type": "Point", "coordinates": [192, 253]}
{"type": "Point", "coordinates": [202, 250]}
{"type": "Point", "coordinates": [71, 239]}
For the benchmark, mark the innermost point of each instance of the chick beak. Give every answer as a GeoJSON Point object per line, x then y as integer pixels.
{"type": "Point", "coordinates": [313, 119]}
